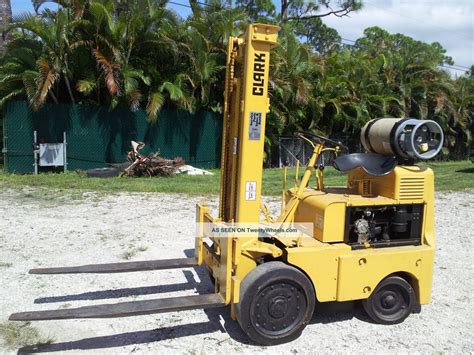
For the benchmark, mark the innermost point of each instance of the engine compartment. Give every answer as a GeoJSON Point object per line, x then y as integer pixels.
{"type": "Point", "coordinates": [383, 226]}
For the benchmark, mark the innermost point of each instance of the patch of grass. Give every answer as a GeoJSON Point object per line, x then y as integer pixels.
{"type": "Point", "coordinates": [452, 175]}
{"type": "Point", "coordinates": [449, 176]}
{"type": "Point", "coordinates": [3, 264]}
{"type": "Point", "coordinates": [130, 253]}
{"type": "Point", "coordinates": [273, 179]}
{"type": "Point", "coordinates": [70, 181]}
{"type": "Point", "coordinates": [16, 335]}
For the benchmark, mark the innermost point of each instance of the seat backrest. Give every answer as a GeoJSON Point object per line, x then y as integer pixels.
{"type": "Point", "coordinates": [373, 164]}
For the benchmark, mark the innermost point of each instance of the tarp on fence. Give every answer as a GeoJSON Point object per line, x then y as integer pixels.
{"type": "Point", "coordinates": [97, 136]}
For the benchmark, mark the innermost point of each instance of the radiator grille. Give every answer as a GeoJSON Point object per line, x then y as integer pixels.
{"type": "Point", "coordinates": [366, 188]}
{"type": "Point", "coordinates": [412, 188]}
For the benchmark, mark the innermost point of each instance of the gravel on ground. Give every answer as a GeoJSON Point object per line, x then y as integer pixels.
{"type": "Point", "coordinates": [45, 228]}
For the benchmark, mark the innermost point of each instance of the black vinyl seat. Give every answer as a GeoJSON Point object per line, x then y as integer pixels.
{"type": "Point", "coordinates": [373, 164]}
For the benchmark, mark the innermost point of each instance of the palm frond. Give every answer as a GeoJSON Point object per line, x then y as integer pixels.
{"type": "Point", "coordinates": [109, 70]}
{"type": "Point", "coordinates": [11, 95]}
{"type": "Point", "coordinates": [155, 103]}
{"type": "Point", "coordinates": [46, 80]}
{"type": "Point", "coordinates": [86, 86]}
{"type": "Point", "coordinates": [30, 79]}
{"type": "Point", "coordinates": [134, 98]}
{"type": "Point", "coordinates": [173, 90]}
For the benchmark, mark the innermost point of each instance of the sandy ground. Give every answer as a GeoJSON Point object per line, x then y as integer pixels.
{"type": "Point", "coordinates": [70, 229]}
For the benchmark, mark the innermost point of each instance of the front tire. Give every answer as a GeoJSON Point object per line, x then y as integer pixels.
{"type": "Point", "coordinates": [391, 302]}
{"type": "Point", "coordinates": [276, 303]}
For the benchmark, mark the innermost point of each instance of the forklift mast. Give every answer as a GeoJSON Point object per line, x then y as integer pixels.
{"type": "Point", "coordinates": [246, 104]}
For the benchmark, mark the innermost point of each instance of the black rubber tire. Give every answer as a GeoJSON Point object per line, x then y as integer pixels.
{"type": "Point", "coordinates": [103, 172]}
{"type": "Point", "coordinates": [272, 296]}
{"type": "Point", "coordinates": [391, 302]}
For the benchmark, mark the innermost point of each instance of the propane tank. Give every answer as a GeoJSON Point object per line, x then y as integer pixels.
{"type": "Point", "coordinates": [407, 138]}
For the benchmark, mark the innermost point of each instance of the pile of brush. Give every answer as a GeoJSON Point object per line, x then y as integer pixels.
{"type": "Point", "coordinates": [151, 165]}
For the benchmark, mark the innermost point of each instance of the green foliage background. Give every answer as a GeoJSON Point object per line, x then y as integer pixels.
{"type": "Point", "coordinates": [141, 54]}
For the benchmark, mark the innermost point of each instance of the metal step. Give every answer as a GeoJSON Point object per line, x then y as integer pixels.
{"type": "Point", "coordinates": [119, 267]}
{"type": "Point", "coordinates": [125, 309]}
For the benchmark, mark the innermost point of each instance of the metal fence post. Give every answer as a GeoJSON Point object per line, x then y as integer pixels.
{"type": "Point", "coordinates": [35, 151]}
{"type": "Point", "coordinates": [279, 152]}
{"type": "Point", "coordinates": [65, 151]}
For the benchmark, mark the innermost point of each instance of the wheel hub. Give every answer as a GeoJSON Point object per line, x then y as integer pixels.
{"type": "Point", "coordinates": [389, 301]}
{"type": "Point", "coordinates": [278, 307]}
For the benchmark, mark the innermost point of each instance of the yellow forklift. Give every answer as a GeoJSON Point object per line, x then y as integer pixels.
{"type": "Point", "coordinates": [371, 240]}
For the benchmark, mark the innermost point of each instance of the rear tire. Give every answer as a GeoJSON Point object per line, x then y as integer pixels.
{"type": "Point", "coordinates": [276, 303]}
{"type": "Point", "coordinates": [391, 302]}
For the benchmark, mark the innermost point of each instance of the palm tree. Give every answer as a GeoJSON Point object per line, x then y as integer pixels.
{"type": "Point", "coordinates": [141, 54]}
{"type": "Point", "coordinates": [54, 30]}
{"type": "Point", "coordinates": [291, 85]}
{"type": "Point", "coordinates": [134, 47]}
{"type": "Point", "coordinates": [18, 70]}
{"type": "Point", "coordinates": [205, 47]}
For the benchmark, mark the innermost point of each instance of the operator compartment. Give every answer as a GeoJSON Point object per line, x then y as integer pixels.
{"type": "Point", "coordinates": [380, 211]}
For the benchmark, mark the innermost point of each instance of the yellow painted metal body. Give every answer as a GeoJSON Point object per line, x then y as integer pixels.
{"type": "Point", "coordinates": [354, 274]}
{"type": "Point", "coordinates": [337, 271]}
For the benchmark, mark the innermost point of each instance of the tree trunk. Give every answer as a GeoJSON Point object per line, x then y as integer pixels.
{"type": "Point", "coordinates": [68, 85]}
{"type": "Point", "coordinates": [284, 10]}
{"type": "Point", "coordinates": [5, 20]}
{"type": "Point", "coordinates": [51, 93]}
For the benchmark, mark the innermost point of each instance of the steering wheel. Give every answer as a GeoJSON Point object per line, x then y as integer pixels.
{"type": "Point", "coordinates": [321, 139]}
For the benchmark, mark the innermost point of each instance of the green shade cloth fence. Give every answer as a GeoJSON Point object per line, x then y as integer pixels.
{"type": "Point", "coordinates": [97, 137]}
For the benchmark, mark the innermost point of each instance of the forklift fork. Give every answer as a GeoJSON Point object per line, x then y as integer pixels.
{"type": "Point", "coordinates": [124, 309]}
{"type": "Point", "coordinates": [131, 266]}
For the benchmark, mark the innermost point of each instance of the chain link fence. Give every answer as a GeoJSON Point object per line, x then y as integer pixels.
{"type": "Point", "coordinates": [291, 149]}
{"type": "Point", "coordinates": [97, 137]}
{"type": "Point", "coordinates": [1, 139]}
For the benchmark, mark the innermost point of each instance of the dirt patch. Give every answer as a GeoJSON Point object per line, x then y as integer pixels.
{"type": "Point", "coordinates": [97, 228]}
{"type": "Point", "coordinates": [15, 335]}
